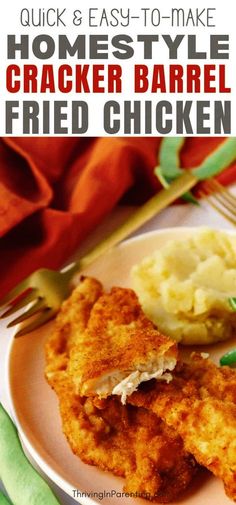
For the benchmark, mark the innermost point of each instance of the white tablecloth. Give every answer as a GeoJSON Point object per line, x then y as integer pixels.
{"type": "Point", "coordinates": [181, 215]}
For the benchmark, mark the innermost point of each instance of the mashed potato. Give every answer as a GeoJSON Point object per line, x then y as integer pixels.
{"type": "Point", "coordinates": [184, 287]}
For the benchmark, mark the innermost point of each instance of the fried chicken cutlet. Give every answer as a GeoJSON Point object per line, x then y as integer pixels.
{"type": "Point", "coordinates": [119, 349]}
{"type": "Point", "coordinates": [70, 323]}
{"type": "Point", "coordinates": [130, 442]}
{"type": "Point", "coordinates": [199, 404]}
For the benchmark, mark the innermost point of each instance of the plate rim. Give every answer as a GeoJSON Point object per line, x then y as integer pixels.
{"type": "Point", "coordinates": [43, 467]}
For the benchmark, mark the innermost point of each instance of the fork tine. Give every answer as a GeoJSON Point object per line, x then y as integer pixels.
{"type": "Point", "coordinates": [228, 206]}
{"type": "Point", "coordinates": [223, 197]}
{"type": "Point", "coordinates": [22, 302]}
{"type": "Point", "coordinates": [38, 306]}
{"type": "Point", "coordinates": [43, 318]}
{"type": "Point", "coordinates": [13, 295]}
{"type": "Point", "coordinates": [216, 186]}
{"type": "Point", "coordinates": [218, 208]}
{"type": "Point", "coordinates": [224, 204]}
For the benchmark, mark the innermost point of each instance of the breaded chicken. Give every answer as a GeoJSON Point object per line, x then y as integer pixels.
{"type": "Point", "coordinates": [70, 324]}
{"type": "Point", "coordinates": [199, 404]}
{"type": "Point", "coordinates": [119, 349]}
{"type": "Point", "coordinates": [219, 381]}
{"type": "Point", "coordinates": [129, 441]}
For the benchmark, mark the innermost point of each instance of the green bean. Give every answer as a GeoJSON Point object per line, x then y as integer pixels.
{"type": "Point", "coordinates": [23, 484]}
{"type": "Point", "coordinates": [169, 169]}
{"type": "Point", "coordinates": [4, 500]}
{"type": "Point", "coordinates": [169, 156]}
{"type": "Point", "coordinates": [232, 302]}
{"type": "Point", "coordinates": [213, 164]}
{"type": "Point", "coordinates": [229, 358]}
{"type": "Point", "coordinates": [218, 160]}
{"type": "Point", "coordinates": [163, 180]}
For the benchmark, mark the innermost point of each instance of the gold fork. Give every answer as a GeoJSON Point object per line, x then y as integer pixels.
{"type": "Point", "coordinates": [46, 289]}
{"type": "Point", "coordinates": [220, 199]}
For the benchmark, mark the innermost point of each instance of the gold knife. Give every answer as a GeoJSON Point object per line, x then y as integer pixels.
{"type": "Point", "coordinates": [49, 288]}
{"type": "Point", "coordinates": [154, 205]}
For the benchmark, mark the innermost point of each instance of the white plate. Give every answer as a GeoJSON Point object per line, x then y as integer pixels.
{"type": "Point", "coordinates": [35, 408]}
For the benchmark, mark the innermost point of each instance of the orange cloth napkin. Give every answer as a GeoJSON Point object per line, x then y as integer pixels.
{"type": "Point", "coordinates": [54, 191]}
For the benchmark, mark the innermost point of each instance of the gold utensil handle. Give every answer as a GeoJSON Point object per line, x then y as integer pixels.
{"type": "Point", "coordinates": [152, 207]}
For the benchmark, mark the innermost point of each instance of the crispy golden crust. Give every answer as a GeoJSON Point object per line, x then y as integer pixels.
{"type": "Point", "coordinates": [199, 405]}
{"type": "Point", "coordinates": [220, 382]}
{"type": "Point", "coordinates": [70, 324]}
{"type": "Point", "coordinates": [118, 337]}
{"type": "Point", "coordinates": [130, 442]}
